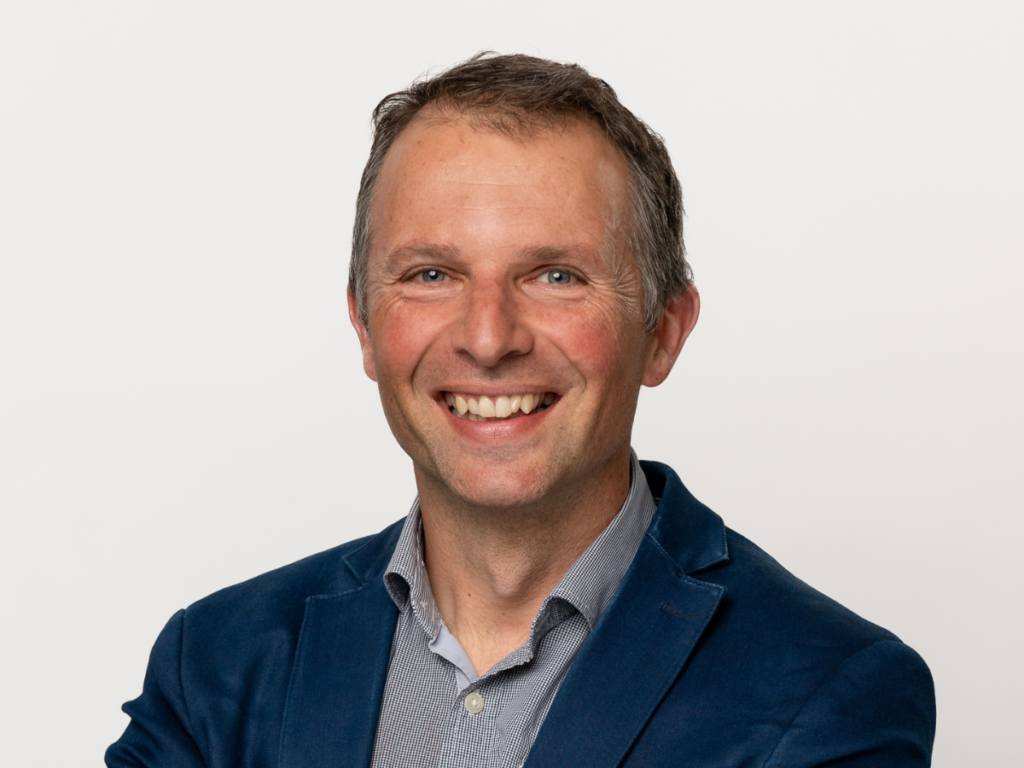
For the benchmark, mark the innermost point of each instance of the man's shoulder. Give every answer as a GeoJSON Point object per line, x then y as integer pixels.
{"type": "Point", "coordinates": [771, 668]}
{"type": "Point", "coordinates": [763, 604]}
{"type": "Point", "coordinates": [278, 597]}
{"type": "Point", "coordinates": [225, 661]}
{"type": "Point", "coordinates": [770, 661]}
{"type": "Point", "coordinates": [777, 641]}
{"type": "Point", "coordinates": [783, 605]}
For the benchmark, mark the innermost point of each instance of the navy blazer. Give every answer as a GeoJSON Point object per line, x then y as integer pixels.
{"type": "Point", "coordinates": [709, 655]}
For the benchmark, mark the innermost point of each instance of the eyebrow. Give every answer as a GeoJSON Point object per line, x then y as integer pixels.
{"type": "Point", "coordinates": [450, 253]}
{"type": "Point", "coordinates": [553, 252]}
{"type": "Point", "coordinates": [421, 250]}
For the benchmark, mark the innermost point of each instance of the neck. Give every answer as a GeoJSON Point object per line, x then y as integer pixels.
{"type": "Point", "coordinates": [490, 568]}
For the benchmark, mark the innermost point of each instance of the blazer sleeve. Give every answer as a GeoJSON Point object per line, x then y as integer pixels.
{"type": "Point", "coordinates": [159, 734]}
{"type": "Point", "coordinates": [876, 710]}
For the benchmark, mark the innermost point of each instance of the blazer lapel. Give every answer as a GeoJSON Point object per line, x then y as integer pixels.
{"type": "Point", "coordinates": [339, 671]}
{"type": "Point", "coordinates": [642, 641]}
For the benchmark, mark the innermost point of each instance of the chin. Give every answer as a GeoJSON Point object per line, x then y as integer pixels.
{"type": "Point", "coordinates": [498, 492]}
{"type": "Point", "coordinates": [503, 496]}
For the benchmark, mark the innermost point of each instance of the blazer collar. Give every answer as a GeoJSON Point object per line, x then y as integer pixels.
{"type": "Point", "coordinates": [369, 562]}
{"type": "Point", "coordinates": [690, 534]}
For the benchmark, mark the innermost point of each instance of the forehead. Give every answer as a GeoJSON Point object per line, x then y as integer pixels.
{"type": "Point", "coordinates": [446, 180]}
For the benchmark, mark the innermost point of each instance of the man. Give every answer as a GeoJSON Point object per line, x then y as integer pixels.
{"type": "Point", "coordinates": [517, 275]}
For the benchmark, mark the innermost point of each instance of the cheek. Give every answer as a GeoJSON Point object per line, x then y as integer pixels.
{"type": "Point", "coordinates": [400, 339]}
{"type": "Point", "coordinates": [600, 348]}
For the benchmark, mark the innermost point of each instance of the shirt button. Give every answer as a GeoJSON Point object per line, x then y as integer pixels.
{"type": "Point", "coordinates": [474, 703]}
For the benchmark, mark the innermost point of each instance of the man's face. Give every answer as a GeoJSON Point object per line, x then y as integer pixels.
{"type": "Point", "coordinates": [499, 274]}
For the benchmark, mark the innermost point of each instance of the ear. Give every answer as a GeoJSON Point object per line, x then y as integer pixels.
{"type": "Point", "coordinates": [363, 334]}
{"type": "Point", "coordinates": [675, 325]}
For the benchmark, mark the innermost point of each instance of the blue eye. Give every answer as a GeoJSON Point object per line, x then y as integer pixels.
{"type": "Point", "coordinates": [432, 276]}
{"type": "Point", "coordinates": [557, 277]}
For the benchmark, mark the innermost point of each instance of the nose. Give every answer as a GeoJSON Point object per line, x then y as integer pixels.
{"type": "Point", "coordinates": [490, 325]}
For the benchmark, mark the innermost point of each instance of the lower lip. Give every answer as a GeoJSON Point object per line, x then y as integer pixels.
{"type": "Point", "coordinates": [504, 429]}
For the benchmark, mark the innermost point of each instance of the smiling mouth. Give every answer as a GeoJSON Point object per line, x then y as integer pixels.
{"type": "Point", "coordinates": [500, 408]}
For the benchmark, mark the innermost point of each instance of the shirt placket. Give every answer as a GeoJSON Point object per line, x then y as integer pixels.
{"type": "Point", "coordinates": [474, 715]}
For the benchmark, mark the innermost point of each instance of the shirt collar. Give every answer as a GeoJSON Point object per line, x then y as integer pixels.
{"type": "Point", "coordinates": [406, 578]}
{"type": "Point", "coordinates": [588, 586]}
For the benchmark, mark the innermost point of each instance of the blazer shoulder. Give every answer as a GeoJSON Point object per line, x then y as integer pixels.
{"type": "Point", "coordinates": [781, 666]}
{"type": "Point", "coordinates": [877, 708]}
{"type": "Point", "coordinates": [759, 587]}
{"type": "Point", "coordinates": [278, 597]}
{"type": "Point", "coordinates": [218, 676]}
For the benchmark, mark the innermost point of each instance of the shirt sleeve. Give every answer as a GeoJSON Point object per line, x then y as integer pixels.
{"type": "Point", "coordinates": [159, 734]}
{"type": "Point", "coordinates": [877, 710]}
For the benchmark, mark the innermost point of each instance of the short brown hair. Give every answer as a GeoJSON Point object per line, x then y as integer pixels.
{"type": "Point", "coordinates": [519, 94]}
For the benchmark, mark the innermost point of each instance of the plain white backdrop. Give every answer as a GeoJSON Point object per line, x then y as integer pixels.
{"type": "Point", "coordinates": [181, 400]}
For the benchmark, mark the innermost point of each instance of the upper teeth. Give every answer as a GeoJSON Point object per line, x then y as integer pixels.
{"type": "Point", "coordinates": [500, 407]}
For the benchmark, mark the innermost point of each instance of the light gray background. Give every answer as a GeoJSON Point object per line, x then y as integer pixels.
{"type": "Point", "coordinates": [181, 400]}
